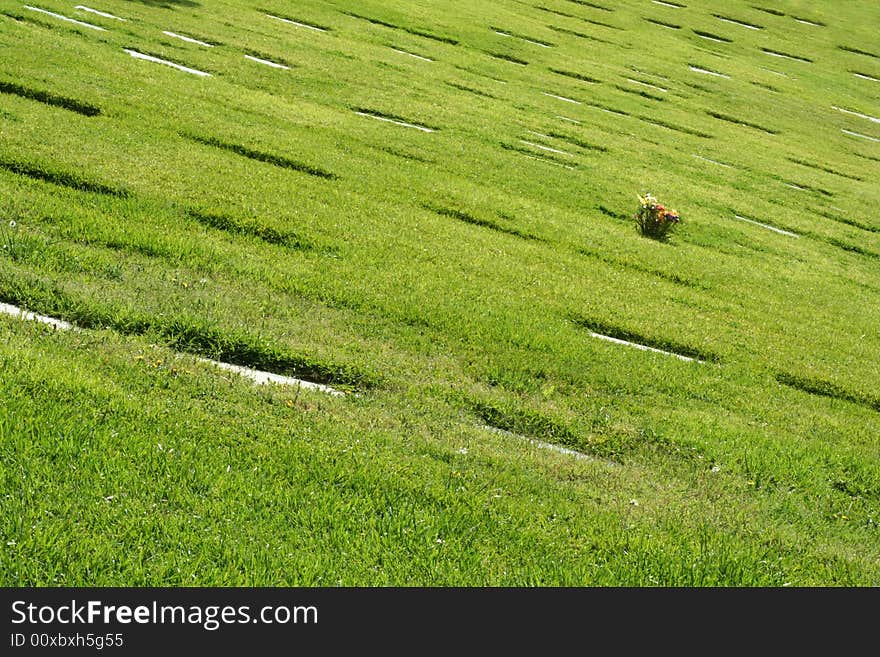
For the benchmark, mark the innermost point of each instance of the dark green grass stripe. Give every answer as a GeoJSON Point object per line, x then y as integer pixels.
{"type": "Point", "coordinates": [547, 157]}
{"type": "Point", "coordinates": [522, 36]}
{"type": "Point", "coordinates": [574, 141]}
{"type": "Point", "coordinates": [190, 335]}
{"type": "Point", "coordinates": [221, 221]}
{"type": "Point", "coordinates": [827, 389]}
{"type": "Point", "coordinates": [580, 35]}
{"type": "Point", "coordinates": [610, 109]}
{"type": "Point", "coordinates": [812, 21]}
{"type": "Point", "coordinates": [737, 20]}
{"type": "Point", "coordinates": [638, 92]}
{"type": "Point", "coordinates": [852, 248]}
{"type": "Point", "coordinates": [601, 24]}
{"type": "Point", "coordinates": [476, 221]}
{"type": "Point", "coordinates": [524, 422]}
{"type": "Point", "coordinates": [664, 344]}
{"type": "Point", "coordinates": [556, 12]}
{"type": "Point", "coordinates": [608, 212]}
{"type": "Point", "coordinates": [850, 222]}
{"type": "Point", "coordinates": [710, 35]}
{"type": "Point", "coordinates": [768, 10]}
{"type": "Point", "coordinates": [858, 51]}
{"type": "Point", "coordinates": [631, 266]}
{"type": "Point", "coordinates": [677, 128]}
{"type": "Point", "coordinates": [269, 158]}
{"type": "Point", "coordinates": [477, 92]}
{"type": "Point", "coordinates": [61, 178]}
{"type": "Point", "coordinates": [393, 117]}
{"type": "Point", "coordinates": [49, 98]}
{"type": "Point", "coordinates": [733, 119]}
{"type": "Point", "coordinates": [416, 32]}
{"type": "Point", "coordinates": [576, 76]}
{"type": "Point", "coordinates": [671, 26]}
{"type": "Point", "coordinates": [591, 5]}
{"type": "Point", "coordinates": [506, 57]}
{"type": "Point", "coordinates": [819, 167]}
{"type": "Point", "coordinates": [787, 54]}
{"type": "Point", "coordinates": [278, 14]}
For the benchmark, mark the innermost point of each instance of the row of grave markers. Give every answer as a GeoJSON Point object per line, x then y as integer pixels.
{"type": "Point", "coordinates": [151, 58]}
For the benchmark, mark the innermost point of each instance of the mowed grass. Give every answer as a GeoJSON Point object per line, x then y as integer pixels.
{"type": "Point", "coordinates": [429, 206]}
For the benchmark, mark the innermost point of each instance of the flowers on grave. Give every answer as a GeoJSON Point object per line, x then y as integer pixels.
{"type": "Point", "coordinates": [654, 219]}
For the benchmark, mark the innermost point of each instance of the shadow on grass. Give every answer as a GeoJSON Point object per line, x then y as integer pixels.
{"type": "Point", "coordinates": [168, 4]}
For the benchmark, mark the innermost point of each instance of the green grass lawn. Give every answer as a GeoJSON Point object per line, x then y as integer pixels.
{"type": "Point", "coordinates": [429, 206]}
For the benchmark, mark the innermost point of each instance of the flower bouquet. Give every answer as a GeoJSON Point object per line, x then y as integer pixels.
{"type": "Point", "coordinates": [655, 220]}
